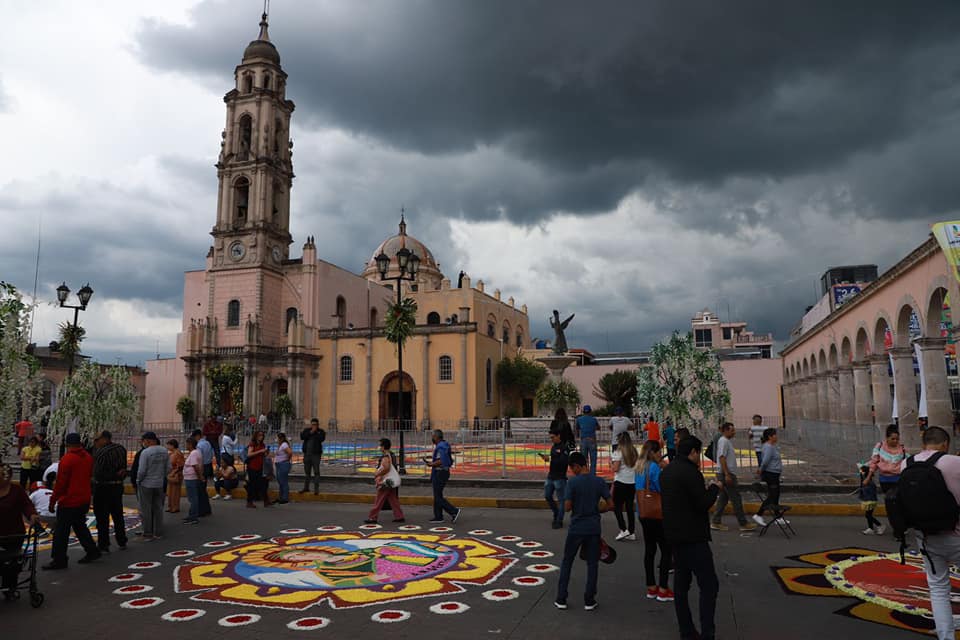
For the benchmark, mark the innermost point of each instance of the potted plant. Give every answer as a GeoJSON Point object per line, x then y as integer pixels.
{"type": "Point", "coordinates": [185, 407]}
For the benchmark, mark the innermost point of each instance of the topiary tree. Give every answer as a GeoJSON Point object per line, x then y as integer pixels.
{"type": "Point", "coordinates": [226, 381]}
{"type": "Point", "coordinates": [683, 382]}
{"type": "Point", "coordinates": [70, 338]}
{"type": "Point", "coordinates": [283, 405]}
{"type": "Point", "coordinates": [95, 398]}
{"type": "Point", "coordinates": [558, 393]}
{"type": "Point", "coordinates": [19, 370]}
{"type": "Point", "coordinates": [519, 378]}
{"type": "Point", "coordinates": [618, 389]}
{"type": "Point", "coordinates": [185, 407]}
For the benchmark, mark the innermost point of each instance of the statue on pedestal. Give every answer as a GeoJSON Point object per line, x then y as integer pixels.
{"type": "Point", "coordinates": [560, 340]}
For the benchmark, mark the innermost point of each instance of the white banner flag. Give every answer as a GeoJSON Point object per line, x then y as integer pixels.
{"type": "Point", "coordinates": [922, 407]}
{"type": "Point", "coordinates": [893, 376]}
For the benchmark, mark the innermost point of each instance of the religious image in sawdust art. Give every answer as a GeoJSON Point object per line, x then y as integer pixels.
{"type": "Point", "coordinates": [131, 520]}
{"type": "Point", "coordinates": [888, 592]}
{"type": "Point", "coordinates": [347, 569]}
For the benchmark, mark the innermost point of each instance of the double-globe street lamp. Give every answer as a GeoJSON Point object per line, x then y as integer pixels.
{"type": "Point", "coordinates": [409, 264]}
{"type": "Point", "coordinates": [84, 295]}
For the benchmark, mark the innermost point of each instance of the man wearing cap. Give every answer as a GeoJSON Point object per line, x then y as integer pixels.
{"type": "Point", "coordinates": [109, 470]}
{"type": "Point", "coordinates": [71, 499]}
{"type": "Point", "coordinates": [153, 470]}
{"type": "Point", "coordinates": [587, 433]}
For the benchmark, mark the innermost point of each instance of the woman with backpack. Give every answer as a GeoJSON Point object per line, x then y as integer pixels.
{"type": "Point", "coordinates": [886, 459]}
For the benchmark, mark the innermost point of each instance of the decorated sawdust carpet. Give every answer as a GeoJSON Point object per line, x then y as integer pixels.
{"type": "Point", "coordinates": [886, 592]}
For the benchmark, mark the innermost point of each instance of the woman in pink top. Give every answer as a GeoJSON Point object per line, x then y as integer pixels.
{"type": "Point", "coordinates": [886, 459]}
{"type": "Point", "coordinates": [282, 463]}
{"type": "Point", "coordinates": [192, 477]}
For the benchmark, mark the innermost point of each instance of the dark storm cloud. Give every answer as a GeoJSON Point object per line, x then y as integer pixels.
{"type": "Point", "coordinates": [695, 91]}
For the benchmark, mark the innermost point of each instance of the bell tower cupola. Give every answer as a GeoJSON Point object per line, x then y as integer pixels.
{"type": "Point", "coordinates": [255, 167]}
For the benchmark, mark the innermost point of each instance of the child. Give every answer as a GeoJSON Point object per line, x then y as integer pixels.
{"type": "Point", "coordinates": [868, 502]}
{"type": "Point", "coordinates": [584, 493]}
{"type": "Point", "coordinates": [557, 475]}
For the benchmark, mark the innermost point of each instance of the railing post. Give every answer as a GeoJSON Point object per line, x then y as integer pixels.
{"type": "Point", "coordinates": [503, 450]}
{"type": "Point", "coordinates": [401, 465]}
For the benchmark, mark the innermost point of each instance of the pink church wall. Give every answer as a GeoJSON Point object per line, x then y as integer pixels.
{"type": "Point", "coordinates": [165, 384]}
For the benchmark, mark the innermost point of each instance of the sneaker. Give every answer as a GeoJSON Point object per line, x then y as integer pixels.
{"type": "Point", "coordinates": [759, 520]}
{"type": "Point", "coordinates": [652, 593]}
{"type": "Point", "coordinates": [631, 536]}
{"type": "Point", "coordinates": [559, 604]}
{"type": "Point", "coordinates": [716, 526]}
{"type": "Point", "coordinates": [227, 497]}
{"type": "Point", "coordinates": [436, 521]}
{"type": "Point", "coordinates": [748, 526]}
{"type": "Point", "coordinates": [879, 529]}
{"type": "Point", "coordinates": [456, 516]}
{"type": "Point", "coordinates": [215, 496]}
{"type": "Point", "coordinates": [191, 521]}
{"type": "Point", "coordinates": [868, 531]}
{"type": "Point", "coordinates": [590, 606]}
{"type": "Point", "coordinates": [622, 535]}
{"type": "Point", "coordinates": [665, 595]}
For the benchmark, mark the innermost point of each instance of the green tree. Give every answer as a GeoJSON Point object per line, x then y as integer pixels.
{"type": "Point", "coordinates": [185, 407]}
{"type": "Point", "coordinates": [558, 393]}
{"type": "Point", "coordinates": [226, 381]}
{"type": "Point", "coordinates": [400, 321]}
{"type": "Point", "coordinates": [19, 370]}
{"type": "Point", "coordinates": [70, 339]}
{"type": "Point", "coordinates": [283, 405]}
{"type": "Point", "coordinates": [96, 398]}
{"type": "Point", "coordinates": [519, 378]}
{"type": "Point", "coordinates": [683, 382]}
{"type": "Point", "coordinates": [618, 389]}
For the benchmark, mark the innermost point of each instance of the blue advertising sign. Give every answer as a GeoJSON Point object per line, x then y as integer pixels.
{"type": "Point", "coordinates": [842, 293]}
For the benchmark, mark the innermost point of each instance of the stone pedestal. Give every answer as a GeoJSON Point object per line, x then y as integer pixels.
{"type": "Point", "coordinates": [557, 364]}
{"type": "Point", "coordinates": [934, 368]}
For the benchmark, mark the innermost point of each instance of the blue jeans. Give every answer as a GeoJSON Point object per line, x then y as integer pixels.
{"type": "Point", "coordinates": [439, 479]}
{"type": "Point", "coordinates": [560, 488]}
{"type": "Point", "coordinates": [283, 479]}
{"type": "Point", "coordinates": [194, 487]}
{"type": "Point", "coordinates": [588, 446]}
{"type": "Point", "coordinates": [591, 545]}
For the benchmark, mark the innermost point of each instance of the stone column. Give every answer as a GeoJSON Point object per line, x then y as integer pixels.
{"type": "Point", "coordinates": [845, 393]}
{"type": "Point", "coordinates": [204, 404]}
{"type": "Point", "coordinates": [880, 381]}
{"type": "Point", "coordinates": [862, 393]}
{"type": "Point", "coordinates": [425, 420]}
{"type": "Point", "coordinates": [906, 387]}
{"type": "Point", "coordinates": [939, 410]}
{"type": "Point", "coordinates": [368, 396]}
{"type": "Point", "coordinates": [334, 376]}
{"type": "Point", "coordinates": [464, 380]}
{"type": "Point", "coordinates": [833, 395]}
{"type": "Point", "coordinates": [823, 398]}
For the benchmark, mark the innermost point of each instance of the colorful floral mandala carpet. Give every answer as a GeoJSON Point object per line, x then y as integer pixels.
{"type": "Point", "coordinates": [298, 569]}
{"type": "Point", "coordinates": [886, 591]}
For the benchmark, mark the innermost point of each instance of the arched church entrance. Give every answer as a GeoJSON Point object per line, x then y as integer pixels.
{"type": "Point", "coordinates": [391, 415]}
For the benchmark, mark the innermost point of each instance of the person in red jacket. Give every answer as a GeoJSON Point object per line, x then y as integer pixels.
{"type": "Point", "coordinates": [71, 499]}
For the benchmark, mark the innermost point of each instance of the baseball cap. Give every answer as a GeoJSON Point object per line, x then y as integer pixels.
{"type": "Point", "coordinates": [587, 408]}
{"type": "Point", "coordinates": [72, 439]}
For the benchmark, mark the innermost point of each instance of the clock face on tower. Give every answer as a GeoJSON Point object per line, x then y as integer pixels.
{"type": "Point", "coordinates": [237, 250]}
{"type": "Point", "coordinates": [277, 254]}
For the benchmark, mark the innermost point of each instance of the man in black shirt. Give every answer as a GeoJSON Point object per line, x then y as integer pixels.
{"type": "Point", "coordinates": [109, 470]}
{"type": "Point", "coordinates": [312, 454]}
{"type": "Point", "coordinates": [557, 476]}
{"type": "Point", "coordinates": [686, 526]}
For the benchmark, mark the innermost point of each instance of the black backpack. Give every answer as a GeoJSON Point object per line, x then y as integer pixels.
{"type": "Point", "coordinates": [921, 501]}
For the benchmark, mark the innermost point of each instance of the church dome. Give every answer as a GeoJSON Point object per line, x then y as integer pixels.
{"type": "Point", "coordinates": [262, 47]}
{"type": "Point", "coordinates": [429, 269]}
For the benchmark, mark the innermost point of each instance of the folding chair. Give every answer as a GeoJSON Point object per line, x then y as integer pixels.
{"type": "Point", "coordinates": [759, 489]}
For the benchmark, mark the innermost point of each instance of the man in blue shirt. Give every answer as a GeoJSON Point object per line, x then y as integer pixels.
{"type": "Point", "coordinates": [439, 475]}
{"type": "Point", "coordinates": [206, 455]}
{"type": "Point", "coordinates": [587, 432]}
{"type": "Point", "coordinates": [584, 492]}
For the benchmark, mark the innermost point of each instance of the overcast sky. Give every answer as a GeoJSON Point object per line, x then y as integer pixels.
{"type": "Point", "coordinates": [632, 162]}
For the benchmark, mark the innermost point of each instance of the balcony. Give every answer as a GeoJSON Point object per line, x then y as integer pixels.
{"type": "Point", "coordinates": [766, 338]}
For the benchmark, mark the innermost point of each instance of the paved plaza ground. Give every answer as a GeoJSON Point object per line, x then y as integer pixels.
{"type": "Point", "coordinates": [84, 602]}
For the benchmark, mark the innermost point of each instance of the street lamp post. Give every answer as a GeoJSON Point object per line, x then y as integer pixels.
{"type": "Point", "coordinates": [84, 295]}
{"type": "Point", "coordinates": [409, 264]}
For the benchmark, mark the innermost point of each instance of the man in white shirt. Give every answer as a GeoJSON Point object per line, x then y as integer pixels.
{"type": "Point", "coordinates": [756, 435]}
{"type": "Point", "coordinates": [41, 502]}
{"type": "Point", "coordinates": [727, 475]}
{"type": "Point", "coordinates": [620, 423]}
{"type": "Point", "coordinates": [942, 549]}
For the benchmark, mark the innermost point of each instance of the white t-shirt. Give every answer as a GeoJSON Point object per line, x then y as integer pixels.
{"type": "Point", "coordinates": [228, 445]}
{"type": "Point", "coordinates": [950, 470]}
{"type": "Point", "coordinates": [51, 469]}
{"type": "Point", "coordinates": [41, 502]}
{"type": "Point", "coordinates": [620, 424]}
{"type": "Point", "coordinates": [725, 449]}
{"type": "Point", "coordinates": [756, 435]}
{"type": "Point", "coordinates": [625, 475]}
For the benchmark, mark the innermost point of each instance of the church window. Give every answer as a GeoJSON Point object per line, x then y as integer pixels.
{"type": "Point", "coordinates": [519, 338]}
{"type": "Point", "coordinates": [506, 334]}
{"type": "Point", "coordinates": [242, 199]}
{"type": "Point", "coordinates": [491, 330]}
{"type": "Point", "coordinates": [248, 84]}
{"type": "Point", "coordinates": [277, 197]}
{"type": "Point", "coordinates": [246, 136]}
{"type": "Point", "coordinates": [233, 313]}
{"type": "Point", "coordinates": [346, 369]}
{"type": "Point", "coordinates": [292, 314]}
{"type": "Point", "coordinates": [266, 81]}
{"type": "Point", "coordinates": [341, 314]}
{"type": "Point", "coordinates": [277, 136]}
{"type": "Point", "coordinates": [489, 381]}
{"type": "Point", "coordinates": [433, 318]}
{"type": "Point", "coordinates": [446, 369]}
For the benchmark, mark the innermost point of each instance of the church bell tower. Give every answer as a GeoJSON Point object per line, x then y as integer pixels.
{"type": "Point", "coordinates": [255, 167]}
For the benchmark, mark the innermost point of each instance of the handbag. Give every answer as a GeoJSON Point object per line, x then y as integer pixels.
{"type": "Point", "coordinates": [392, 479]}
{"type": "Point", "coordinates": [649, 505]}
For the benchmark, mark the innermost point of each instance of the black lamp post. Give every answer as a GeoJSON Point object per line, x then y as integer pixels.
{"type": "Point", "coordinates": [84, 295]}
{"type": "Point", "coordinates": [409, 264]}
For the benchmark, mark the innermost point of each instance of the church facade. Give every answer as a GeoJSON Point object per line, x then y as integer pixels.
{"type": "Point", "coordinates": [259, 323]}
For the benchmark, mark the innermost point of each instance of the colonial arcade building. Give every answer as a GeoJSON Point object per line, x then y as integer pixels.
{"type": "Point", "coordinates": [887, 354]}
{"type": "Point", "coordinates": [259, 323]}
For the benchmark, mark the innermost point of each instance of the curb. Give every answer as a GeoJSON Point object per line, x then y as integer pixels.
{"type": "Point", "coordinates": [476, 502]}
